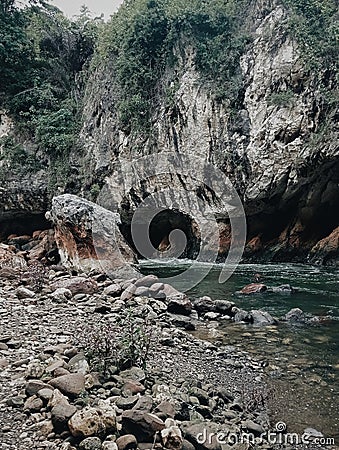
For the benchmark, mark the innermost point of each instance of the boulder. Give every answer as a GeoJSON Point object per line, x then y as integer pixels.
{"type": "Point", "coordinates": [128, 293]}
{"type": "Point", "coordinates": [165, 410]}
{"type": "Point", "coordinates": [204, 304]}
{"type": "Point", "coordinates": [93, 420]}
{"type": "Point", "coordinates": [182, 322]}
{"type": "Point", "coordinates": [61, 295]}
{"type": "Point", "coordinates": [146, 281]}
{"type": "Point", "coordinates": [142, 424]}
{"type": "Point", "coordinates": [113, 290]}
{"type": "Point", "coordinates": [23, 293]}
{"type": "Point", "coordinates": [202, 435]}
{"type": "Point", "coordinates": [127, 442]}
{"type": "Point", "coordinates": [171, 436]}
{"type": "Point", "coordinates": [261, 318]}
{"type": "Point", "coordinates": [132, 387]}
{"type": "Point", "coordinates": [34, 386]}
{"type": "Point", "coordinates": [77, 285]}
{"type": "Point", "coordinates": [91, 443]}
{"type": "Point", "coordinates": [170, 291]}
{"type": "Point", "coordinates": [223, 307]}
{"type": "Point", "coordinates": [283, 289]}
{"type": "Point", "coordinates": [240, 315]}
{"type": "Point", "coordinates": [295, 315]}
{"type": "Point", "coordinates": [78, 364]}
{"type": "Point", "coordinates": [155, 289]}
{"type": "Point", "coordinates": [109, 445]}
{"type": "Point", "coordinates": [254, 288]}
{"type": "Point", "coordinates": [72, 384]}
{"type": "Point", "coordinates": [88, 236]}
{"type": "Point", "coordinates": [61, 410]}
{"type": "Point", "coordinates": [134, 373]}
{"type": "Point", "coordinates": [33, 404]}
{"type": "Point", "coordinates": [179, 305]}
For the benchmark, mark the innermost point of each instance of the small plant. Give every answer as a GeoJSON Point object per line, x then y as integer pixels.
{"type": "Point", "coordinates": [121, 344]}
{"type": "Point", "coordinates": [136, 339]}
{"type": "Point", "coordinates": [281, 99]}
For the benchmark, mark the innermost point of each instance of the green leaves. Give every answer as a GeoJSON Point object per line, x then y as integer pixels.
{"type": "Point", "coordinates": [315, 26]}
{"type": "Point", "coordinates": [140, 42]}
{"type": "Point", "coordinates": [55, 131]}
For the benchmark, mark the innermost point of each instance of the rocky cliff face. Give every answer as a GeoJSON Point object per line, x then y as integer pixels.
{"type": "Point", "coordinates": [272, 148]}
{"type": "Point", "coordinates": [277, 147]}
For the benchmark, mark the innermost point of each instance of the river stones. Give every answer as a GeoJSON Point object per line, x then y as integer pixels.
{"type": "Point", "coordinates": [71, 384]}
{"type": "Point", "coordinates": [91, 421]}
{"type": "Point", "coordinates": [254, 288]}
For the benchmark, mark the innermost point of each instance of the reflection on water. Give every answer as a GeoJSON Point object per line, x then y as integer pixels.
{"type": "Point", "coordinates": [303, 361]}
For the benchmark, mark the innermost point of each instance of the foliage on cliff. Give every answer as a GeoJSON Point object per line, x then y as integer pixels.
{"type": "Point", "coordinates": [144, 38]}
{"type": "Point", "coordinates": [42, 56]}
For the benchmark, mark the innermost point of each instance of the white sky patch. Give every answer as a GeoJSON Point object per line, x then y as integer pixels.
{"type": "Point", "coordinates": [71, 8]}
{"type": "Point", "coordinates": [97, 7]}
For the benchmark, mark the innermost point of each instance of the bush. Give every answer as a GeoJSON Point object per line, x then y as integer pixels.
{"type": "Point", "coordinates": [118, 345]}
{"type": "Point", "coordinates": [282, 99]}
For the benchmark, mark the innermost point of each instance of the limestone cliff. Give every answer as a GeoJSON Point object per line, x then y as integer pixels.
{"type": "Point", "coordinates": [273, 146]}
{"type": "Point", "coordinates": [277, 144]}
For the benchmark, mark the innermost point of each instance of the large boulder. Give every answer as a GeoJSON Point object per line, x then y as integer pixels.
{"type": "Point", "coordinates": [88, 236]}
{"type": "Point", "coordinates": [141, 424]}
{"type": "Point", "coordinates": [180, 305]}
{"type": "Point", "coordinates": [262, 318]}
{"type": "Point", "coordinates": [91, 421]}
{"type": "Point", "coordinates": [72, 384]}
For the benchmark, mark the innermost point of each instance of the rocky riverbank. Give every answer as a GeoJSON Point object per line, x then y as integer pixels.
{"type": "Point", "coordinates": [45, 381]}
{"type": "Point", "coordinates": [54, 396]}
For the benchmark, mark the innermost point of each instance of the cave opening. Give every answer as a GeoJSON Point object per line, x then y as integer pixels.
{"type": "Point", "coordinates": [171, 232]}
{"type": "Point", "coordinates": [302, 219]}
{"type": "Point", "coordinates": [22, 223]}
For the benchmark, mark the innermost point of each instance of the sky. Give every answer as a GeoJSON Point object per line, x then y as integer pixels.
{"type": "Point", "coordinates": [97, 7]}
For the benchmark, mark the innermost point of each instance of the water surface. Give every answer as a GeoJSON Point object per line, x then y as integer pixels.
{"type": "Point", "coordinates": [302, 361]}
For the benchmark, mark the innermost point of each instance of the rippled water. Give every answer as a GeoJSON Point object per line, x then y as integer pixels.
{"type": "Point", "coordinates": [303, 360]}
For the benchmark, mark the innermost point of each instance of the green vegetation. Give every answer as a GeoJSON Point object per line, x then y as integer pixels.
{"type": "Point", "coordinates": [282, 99]}
{"type": "Point", "coordinates": [111, 346]}
{"type": "Point", "coordinates": [42, 58]}
{"type": "Point", "coordinates": [146, 37]}
{"type": "Point", "coordinates": [315, 25]}
{"type": "Point", "coordinates": [15, 159]}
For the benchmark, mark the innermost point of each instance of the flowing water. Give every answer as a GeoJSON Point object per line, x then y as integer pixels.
{"type": "Point", "coordinates": [303, 360]}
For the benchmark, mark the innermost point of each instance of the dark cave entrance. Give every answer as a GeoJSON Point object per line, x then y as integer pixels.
{"type": "Point", "coordinates": [22, 223]}
{"type": "Point", "coordinates": [308, 215]}
{"type": "Point", "coordinates": [167, 229]}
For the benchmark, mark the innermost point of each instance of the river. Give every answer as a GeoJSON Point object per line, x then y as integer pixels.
{"type": "Point", "coordinates": [302, 361]}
